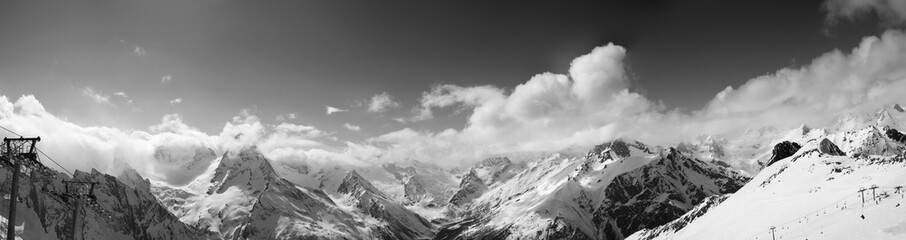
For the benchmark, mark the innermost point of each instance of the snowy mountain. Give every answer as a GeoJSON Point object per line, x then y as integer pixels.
{"type": "Point", "coordinates": [123, 208]}
{"type": "Point", "coordinates": [242, 196]}
{"type": "Point", "coordinates": [486, 173]}
{"type": "Point", "coordinates": [813, 193]}
{"type": "Point", "coordinates": [617, 188]}
{"type": "Point", "coordinates": [399, 222]}
{"type": "Point", "coordinates": [182, 164]}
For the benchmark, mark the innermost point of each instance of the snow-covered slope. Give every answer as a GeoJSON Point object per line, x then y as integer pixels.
{"type": "Point", "coordinates": [399, 222]}
{"type": "Point", "coordinates": [616, 189]}
{"type": "Point", "coordinates": [813, 194]}
{"type": "Point", "coordinates": [486, 173]}
{"type": "Point", "coordinates": [124, 208]}
{"type": "Point", "coordinates": [242, 196]}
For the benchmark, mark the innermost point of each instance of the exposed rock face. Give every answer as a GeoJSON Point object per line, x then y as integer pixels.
{"type": "Point", "coordinates": [413, 189]}
{"type": "Point", "coordinates": [470, 188]}
{"type": "Point", "coordinates": [355, 184]}
{"type": "Point", "coordinates": [660, 192]}
{"type": "Point", "coordinates": [124, 208]}
{"type": "Point", "coordinates": [424, 185]}
{"type": "Point", "coordinates": [828, 147]}
{"type": "Point", "coordinates": [895, 135]}
{"type": "Point", "coordinates": [898, 108]}
{"type": "Point", "coordinates": [783, 150]}
{"type": "Point", "coordinates": [565, 197]}
{"type": "Point", "coordinates": [493, 170]}
{"type": "Point", "coordinates": [401, 223]}
{"type": "Point", "coordinates": [700, 210]}
{"type": "Point", "coordinates": [617, 147]}
{"type": "Point", "coordinates": [246, 199]}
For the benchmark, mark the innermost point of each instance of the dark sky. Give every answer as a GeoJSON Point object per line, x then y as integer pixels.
{"type": "Point", "coordinates": [279, 57]}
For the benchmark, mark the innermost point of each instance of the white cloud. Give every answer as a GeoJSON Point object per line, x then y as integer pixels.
{"type": "Point", "coordinates": [547, 112]}
{"type": "Point", "coordinates": [106, 149]}
{"type": "Point", "coordinates": [891, 12]}
{"type": "Point", "coordinates": [351, 127]}
{"type": "Point", "coordinates": [332, 110]}
{"type": "Point", "coordinates": [869, 77]}
{"type": "Point", "coordinates": [166, 79]}
{"type": "Point", "coordinates": [382, 102]}
{"type": "Point", "coordinates": [175, 101]}
{"type": "Point", "coordinates": [139, 51]}
{"type": "Point", "coordinates": [121, 94]}
{"type": "Point", "coordinates": [283, 117]}
{"type": "Point", "coordinates": [594, 104]}
{"type": "Point", "coordinates": [96, 95]}
{"type": "Point", "coordinates": [111, 150]}
{"type": "Point", "coordinates": [598, 75]}
{"type": "Point", "coordinates": [449, 95]}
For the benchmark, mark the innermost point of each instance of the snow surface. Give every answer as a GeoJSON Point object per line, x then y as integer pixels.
{"type": "Point", "coordinates": [811, 195]}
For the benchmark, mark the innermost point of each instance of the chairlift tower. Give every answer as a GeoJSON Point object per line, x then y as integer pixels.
{"type": "Point", "coordinates": [76, 193]}
{"type": "Point", "coordinates": [17, 153]}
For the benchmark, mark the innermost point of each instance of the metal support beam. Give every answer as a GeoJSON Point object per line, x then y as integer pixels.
{"type": "Point", "coordinates": [13, 195]}
{"type": "Point", "coordinates": [18, 153]}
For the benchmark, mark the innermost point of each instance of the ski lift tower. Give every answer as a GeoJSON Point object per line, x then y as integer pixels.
{"type": "Point", "coordinates": [78, 192]}
{"type": "Point", "coordinates": [17, 153]}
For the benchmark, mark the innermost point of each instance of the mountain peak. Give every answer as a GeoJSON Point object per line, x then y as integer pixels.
{"type": "Point", "coordinates": [618, 148]}
{"type": "Point", "coordinates": [248, 168]}
{"type": "Point", "coordinates": [355, 184]}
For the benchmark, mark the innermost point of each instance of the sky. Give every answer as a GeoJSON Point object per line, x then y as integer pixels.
{"type": "Point", "coordinates": [441, 82]}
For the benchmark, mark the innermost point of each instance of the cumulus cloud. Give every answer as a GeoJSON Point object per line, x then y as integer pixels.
{"type": "Point", "coordinates": [594, 103]}
{"type": "Point", "coordinates": [175, 101]}
{"type": "Point", "coordinates": [111, 150]}
{"type": "Point", "coordinates": [332, 110]}
{"type": "Point", "coordinates": [283, 117]}
{"type": "Point", "coordinates": [590, 104]}
{"type": "Point", "coordinates": [382, 102]}
{"type": "Point", "coordinates": [891, 12]}
{"type": "Point", "coordinates": [121, 94]}
{"type": "Point", "coordinates": [139, 51]}
{"type": "Point", "coordinates": [350, 127]}
{"type": "Point", "coordinates": [867, 78]}
{"type": "Point", "coordinates": [166, 79]}
{"type": "Point", "coordinates": [95, 96]}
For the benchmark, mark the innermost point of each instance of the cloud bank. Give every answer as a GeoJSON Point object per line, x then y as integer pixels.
{"type": "Point", "coordinates": [112, 150]}
{"type": "Point", "coordinates": [592, 103]}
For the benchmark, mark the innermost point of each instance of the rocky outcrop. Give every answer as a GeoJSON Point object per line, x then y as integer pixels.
{"type": "Point", "coordinates": [121, 208]}
{"type": "Point", "coordinates": [470, 188]}
{"type": "Point", "coordinates": [617, 147]}
{"type": "Point", "coordinates": [400, 222]}
{"type": "Point", "coordinates": [660, 192]}
{"type": "Point", "coordinates": [783, 150]}
{"type": "Point", "coordinates": [568, 197]}
{"type": "Point", "coordinates": [828, 147]}
{"type": "Point", "coordinates": [413, 189]}
{"type": "Point", "coordinates": [895, 135]}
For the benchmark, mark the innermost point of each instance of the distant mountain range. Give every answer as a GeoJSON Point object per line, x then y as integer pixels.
{"type": "Point", "coordinates": [795, 184]}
